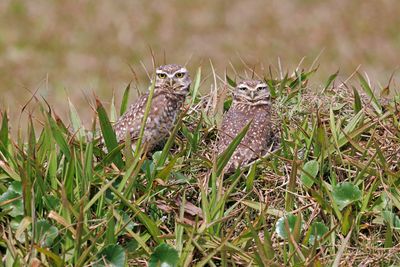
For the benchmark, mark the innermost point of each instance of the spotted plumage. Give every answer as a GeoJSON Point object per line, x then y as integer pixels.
{"type": "Point", "coordinates": [251, 101]}
{"type": "Point", "coordinates": [171, 88]}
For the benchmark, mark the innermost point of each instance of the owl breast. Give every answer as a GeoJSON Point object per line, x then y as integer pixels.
{"type": "Point", "coordinates": [161, 120]}
{"type": "Point", "coordinates": [255, 141]}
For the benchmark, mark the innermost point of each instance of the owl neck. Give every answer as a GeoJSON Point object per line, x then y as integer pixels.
{"type": "Point", "coordinates": [158, 91]}
{"type": "Point", "coordinates": [246, 105]}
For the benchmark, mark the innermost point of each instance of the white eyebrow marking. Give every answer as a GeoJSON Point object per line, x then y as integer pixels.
{"type": "Point", "coordinates": [180, 70]}
{"type": "Point", "coordinates": [243, 86]}
{"type": "Point", "coordinates": [160, 71]}
{"type": "Point", "coordinates": [262, 85]}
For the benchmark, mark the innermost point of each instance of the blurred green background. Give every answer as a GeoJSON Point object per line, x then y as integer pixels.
{"type": "Point", "coordinates": [75, 48]}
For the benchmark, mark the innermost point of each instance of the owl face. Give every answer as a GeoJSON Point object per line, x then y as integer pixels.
{"type": "Point", "coordinates": [174, 77]}
{"type": "Point", "coordinates": [252, 92]}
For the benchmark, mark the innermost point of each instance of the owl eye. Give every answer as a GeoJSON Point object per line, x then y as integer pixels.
{"type": "Point", "coordinates": [161, 75]}
{"type": "Point", "coordinates": [179, 75]}
{"type": "Point", "coordinates": [261, 88]}
{"type": "Point", "coordinates": [242, 88]}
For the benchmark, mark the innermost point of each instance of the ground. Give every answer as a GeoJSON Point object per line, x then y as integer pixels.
{"type": "Point", "coordinates": [328, 195]}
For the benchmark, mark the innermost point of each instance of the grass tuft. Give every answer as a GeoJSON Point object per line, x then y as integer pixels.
{"type": "Point", "coordinates": [329, 195]}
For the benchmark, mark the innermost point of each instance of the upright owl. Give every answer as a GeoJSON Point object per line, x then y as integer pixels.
{"type": "Point", "coordinates": [171, 87]}
{"type": "Point", "coordinates": [251, 101]}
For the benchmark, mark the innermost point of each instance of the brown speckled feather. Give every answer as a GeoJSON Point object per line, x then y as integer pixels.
{"type": "Point", "coordinates": [160, 121]}
{"type": "Point", "coordinates": [172, 83]}
{"type": "Point", "coordinates": [250, 104]}
{"type": "Point", "coordinates": [254, 143]}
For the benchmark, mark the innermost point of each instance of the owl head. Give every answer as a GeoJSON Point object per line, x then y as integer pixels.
{"type": "Point", "coordinates": [174, 77]}
{"type": "Point", "coordinates": [252, 92]}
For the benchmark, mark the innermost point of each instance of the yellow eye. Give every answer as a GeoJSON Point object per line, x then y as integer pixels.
{"type": "Point", "coordinates": [179, 75]}
{"type": "Point", "coordinates": [162, 75]}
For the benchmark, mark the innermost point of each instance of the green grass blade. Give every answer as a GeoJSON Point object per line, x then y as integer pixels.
{"type": "Point", "coordinates": [170, 141]}
{"type": "Point", "coordinates": [76, 121]}
{"type": "Point", "coordinates": [108, 134]}
{"type": "Point", "coordinates": [230, 81]}
{"type": "Point", "coordinates": [357, 101]}
{"type": "Point", "coordinates": [4, 133]}
{"type": "Point", "coordinates": [59, 137]}
{"type": "Point", "coordinates": [113, 110]}
{"type": "Point", "coordinates": [110, 157]}
{"type": "Point", "coordinates": [142, 217]}
{"type": "Point", "coordinates": [370, 93]}
{"type": "Point", "coordinates": [331, 79]}
{"type": "Point", "coordinates": [125, 98]}
{"type": "Point", "coordinates": [223, 159]}
{"type": "Point", "coordinates": [144, 120]}
{"type": "Point", "coordinates": [196, 85]}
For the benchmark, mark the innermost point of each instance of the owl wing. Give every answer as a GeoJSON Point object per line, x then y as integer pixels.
{"type": "Point", "coordinates": [233, 122]}
{"type": "Point", "coordinates": [130, 122]}
{"type": "Point", "coordinates": [255, 141]}
{"type": "Point", "coordinates": [257, 137]}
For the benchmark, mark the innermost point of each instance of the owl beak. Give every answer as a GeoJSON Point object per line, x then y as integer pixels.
{"type": "Point", "coordinates": [252, 95]}
{"type": "Point", "coordinates": [171, 82]}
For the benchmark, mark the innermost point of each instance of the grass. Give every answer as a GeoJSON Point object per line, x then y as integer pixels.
{"type": "Point", "coordinates": [328, 196]}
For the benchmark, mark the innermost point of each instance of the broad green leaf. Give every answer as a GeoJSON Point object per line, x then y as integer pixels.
{"type": "Point", "coordinates": [164, 256]}
{"type": "Point", "coordinates": [12, 199]}
{"type": "Point", "coordinates": [310, 171]}
{"type": "Point", "coordinates": [45, 233]}
{"type": "Point", "coordinates": [111, 256]}
{"type": "Point", "coordinates": [281, 229]}
{"type": "Point", "coordinates": [345, 194]}
{"type": "Point", "coordinates": [318, 230]}
{"type": "Point", "coordinates": [392, 219]}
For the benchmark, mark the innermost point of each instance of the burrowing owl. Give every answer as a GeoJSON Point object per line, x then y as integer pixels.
{"type": "Point", "coordinates": [171, 88]}
{"type": "Point", "coordinates": [251, 101]}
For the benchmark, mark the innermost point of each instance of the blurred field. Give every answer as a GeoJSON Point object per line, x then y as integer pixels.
{"type": "Point", "coordinates": [75, 48]}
